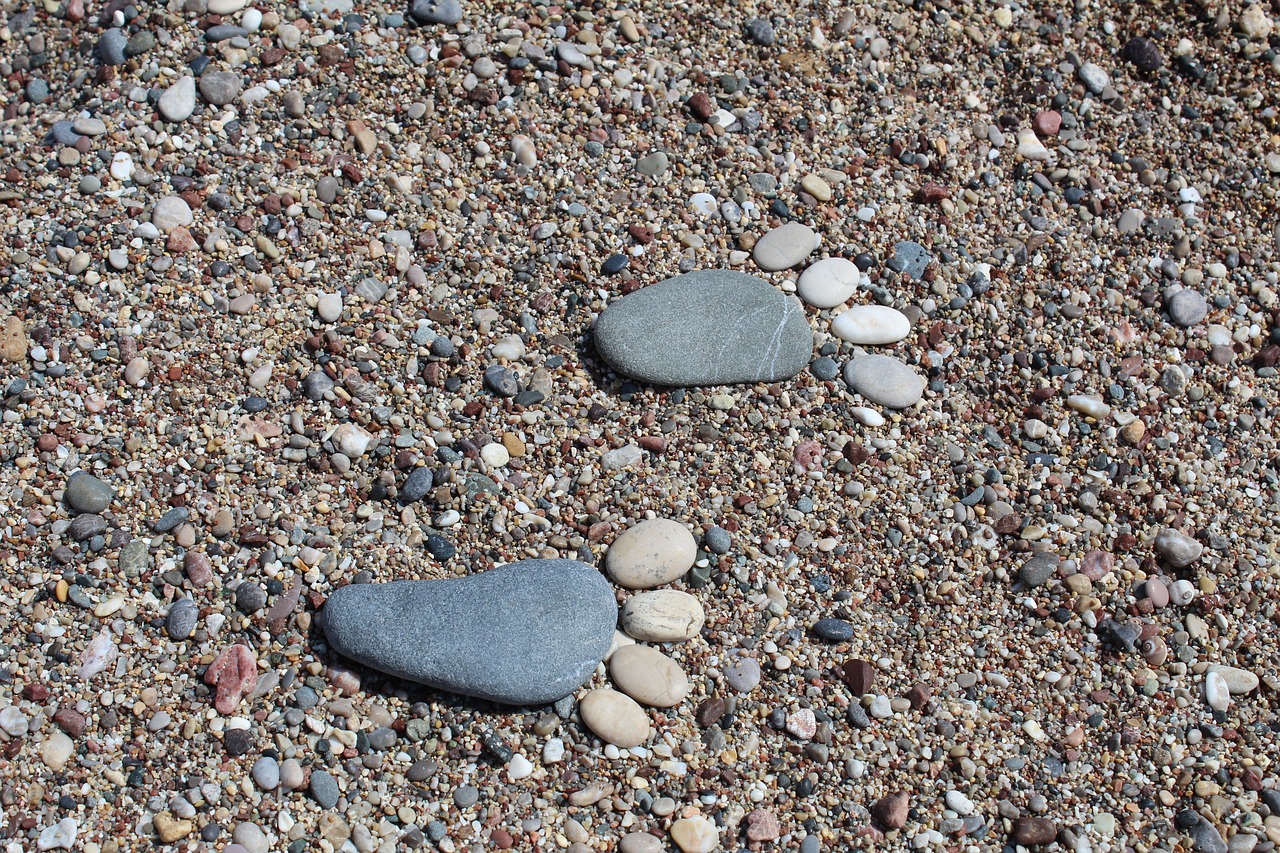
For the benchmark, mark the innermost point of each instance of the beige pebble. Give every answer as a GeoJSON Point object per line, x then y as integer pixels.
{"type": "Point", "coordinates": [652, 553]}
{"type": "Point", "coordinates": [662, 616]}
{"type": "Point", "coordinates": [615, 717]}
{"type": "Point", "coordinates": [815, 186]}
{"type": "Point", "coordinates": [648, 676]}
{"type": "Point", "coordinates": [695, 835]}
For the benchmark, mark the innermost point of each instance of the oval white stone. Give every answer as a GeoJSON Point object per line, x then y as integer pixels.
{"type": "Point", "coordinates": [615, 717]}
{"type": "Point", "coordinates": [828, 283]}
{"type": "Point", "coordinates": [871, 325]}
{"type": "Point", "coordinates": [648, 676]}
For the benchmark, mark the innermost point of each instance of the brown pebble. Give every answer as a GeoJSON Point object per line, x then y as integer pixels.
{"type": "Point", "coordinates": [919, 696]}
{"type": "Point", "coordinates": [701, 106]}
{"type": "Point", "coordinates": [1034, 830]}
{"type": "Point", "coordinates": [710, 711]}
{"type": "Point", "coordinates": [891, 811]}
{"type": "Point", "coordinates": [502, 839]}
{"type": "Point", "coordinates": [198, 568]}
{"type": "Point", "coordinates": [1047, 123]}
{"type": "Point", "coordinates": [70, 721]}
{"type": "Point", "coordinates": [762, 826]}
{"type": "Point", "coordinates": [860, 675]}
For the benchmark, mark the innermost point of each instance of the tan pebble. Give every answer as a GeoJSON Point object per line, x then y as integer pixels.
{"type": "Point", "coordinates": [1133, 431]}
{"type": "Point", "coordinates": [815, 186]}
{"type": "Point", "coordinates": [639, 842]}
{"type": "Point", "coordinates": [170, 828]}
{"type": "Point", "coordinates": [695, 835]}
{"type": "Point", "coordinates": [663, 616]}
{"type": "Point", "coordinates": [136, 370]}
{"type": "Point", "coordinates": [515, 447]}
{"type": "Point", "coordinates": [648, 676]}
{"type": "Point", "coordinates": [652, 553]}
{"type": "Point", "coordinates": [615, 718]}
{"type": "Point", "coordinates": [13, 340]}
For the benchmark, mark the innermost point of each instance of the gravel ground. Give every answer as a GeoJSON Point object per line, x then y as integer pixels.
{"type": "Point", "coordinates": [253, 303]}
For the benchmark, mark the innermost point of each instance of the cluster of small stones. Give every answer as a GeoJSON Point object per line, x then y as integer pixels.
{"type": "Point", "coordinates": [299, 295]}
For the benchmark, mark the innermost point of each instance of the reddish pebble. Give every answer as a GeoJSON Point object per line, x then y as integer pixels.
{"type": "Point", "coordinates": [1047, 123]}
{"type": "Point", "coordinates": [891, 811]}
{"type": "Point", "coordinates": [180, 240]}
{"type": "Point", "coordinates": [642, 234]}
{"type": "Point", "coordinates": [234, 673]}
{"type": "Point", "coordinates": [860, 675]}
{"type": "Point", "coordinates": [701, 106]}
{"type": "Point", "coordinates": [47, 443]}
{"type": "Point", "coordinates": [502, 839]}
{"type": "Point", "coordinates": [802, 724]}
{"type": "Point", "coordinates": [710, 711]}
{"type": "Point", "coordinates": [1157, 592]}
{"type": "Point", "coordinates": [919, 696]}
{"type": "Point", "coordinates": [35, 692]}
{"type": "Point", "coordinates": [762, 826]}
{"type": "Point", "coordinates": [1096, 565]}
{"type": "Point", "coordinates": [70, 721]}
{"type": "Point", "coordinates": [199, 570]}
{"type": "Point", "coordinates": [347, 681]}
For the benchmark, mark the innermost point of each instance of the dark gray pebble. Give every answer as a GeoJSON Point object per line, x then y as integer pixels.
{"type": "Point", "coordinates": [833, 630]}
{"type": "Point", "coordinates": [181, 621]}
{"type": "Point", "coordinates": [324, 788]}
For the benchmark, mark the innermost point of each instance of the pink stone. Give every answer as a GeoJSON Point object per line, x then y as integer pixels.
{"type": "Point", "coordinates": [234, 673]}
{"type": "Point", "coordinates": [762, 826]}
{"type": "Point", "coordinates": [808, 455]}
{"type": "Point", "coordinates": [1047, 123]}
{"type": "Point", "coordinates": [346, 680]}
{"type": "Point", "coordinates": [802, 724]}
{"type": "Point", "coordinates": [1158, 593]}
{"type": "Point", "coordinates": [1096, 565]}
{"type": "Point", "coordinates": [198, 569]}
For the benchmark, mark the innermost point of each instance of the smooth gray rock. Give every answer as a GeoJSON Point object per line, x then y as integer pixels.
{"type": "Point", "coordinates": [447, 12]}
{"type": "Point", "coordinates": [1186, 307]}
{"type": "Point", "coordinates": [1038, 569]}
{"type": "Point", "coordinates": [86, 493]}
{"type": "Point", "coordinates": [220, 87]}
{"type": "Point", "coordinates": [523, 634]}
{"type": "Point", "coordinates": [885, 381]}
{"type": "Point", "coordinates": [712, 327]}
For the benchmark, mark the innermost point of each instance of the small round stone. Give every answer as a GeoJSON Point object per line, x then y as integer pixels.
{"type": "Point", "coordinates": [885, 381]}
{"type": "Point", "coordinates": [266, 773]}
{"type": "Point", "coordinates": [828, 282]}
{"type": "Point", "coordinates": [833, 630]}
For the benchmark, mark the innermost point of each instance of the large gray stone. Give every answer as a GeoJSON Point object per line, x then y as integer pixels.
{"type": "Point", "coordinates": [712, 327]}
{"type": "Point", "coordinates": [524, 634]}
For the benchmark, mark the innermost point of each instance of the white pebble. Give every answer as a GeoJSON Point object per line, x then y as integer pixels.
{"type": "Point", "coordinates": [1216, 692]}
{"type": "Point", "coordinates": [1030, 146]}
{"type": "Point", "coordinates": [519, 767]}
{"type": "Point", "coordinates": [828, 283]}
{"type": "Point", "coordinates": [866, 416]}
{"type": "Point", "coordinates": [122, 166]}
{"type": "Point", "coordinates": [871, 325]}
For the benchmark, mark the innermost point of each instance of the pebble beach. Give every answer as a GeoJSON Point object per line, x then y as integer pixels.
{"type": "Point", "coordinates": [639, 427]}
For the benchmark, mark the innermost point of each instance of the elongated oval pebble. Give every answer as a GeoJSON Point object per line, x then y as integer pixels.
{"type": "Point", "coordinates": [1216, 692]}
{"type": "Point", "coordinates": [871, 325]}
{"type": "Point", "coordinates": [662, 616]}
{"type": "Point", "coordinates": [615, 717]}
{"type": "Point", "coordinates": [648, 676]}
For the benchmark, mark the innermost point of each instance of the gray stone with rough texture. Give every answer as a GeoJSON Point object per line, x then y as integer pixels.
{"type": "Point", "coordinates": [712, 327]}
{"type": "Point", "coordinates": [885, 381]}
{"type": "Point", "coordinates": [1187, 307]}
{"type": "Point", "coordinates": [523, 634]}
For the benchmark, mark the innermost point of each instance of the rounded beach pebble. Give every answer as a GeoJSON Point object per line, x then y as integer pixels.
{"type": "Point", "coordinates": [523, 634]}
{"type": "Point", "coordinates": [662, 616]}
{"type": "Point", "coordinates": [713, 327]}
{"type": "Point", "coordinates": [648, 676]}
{"type": "Point", "coordinates": [615, 717]}
{"type": "Point", "coordinates": [885, 381]}
{"type": "Point", "coordinates": [653, 553]}
{"type": "Point", "coordinates": [828, 282]}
